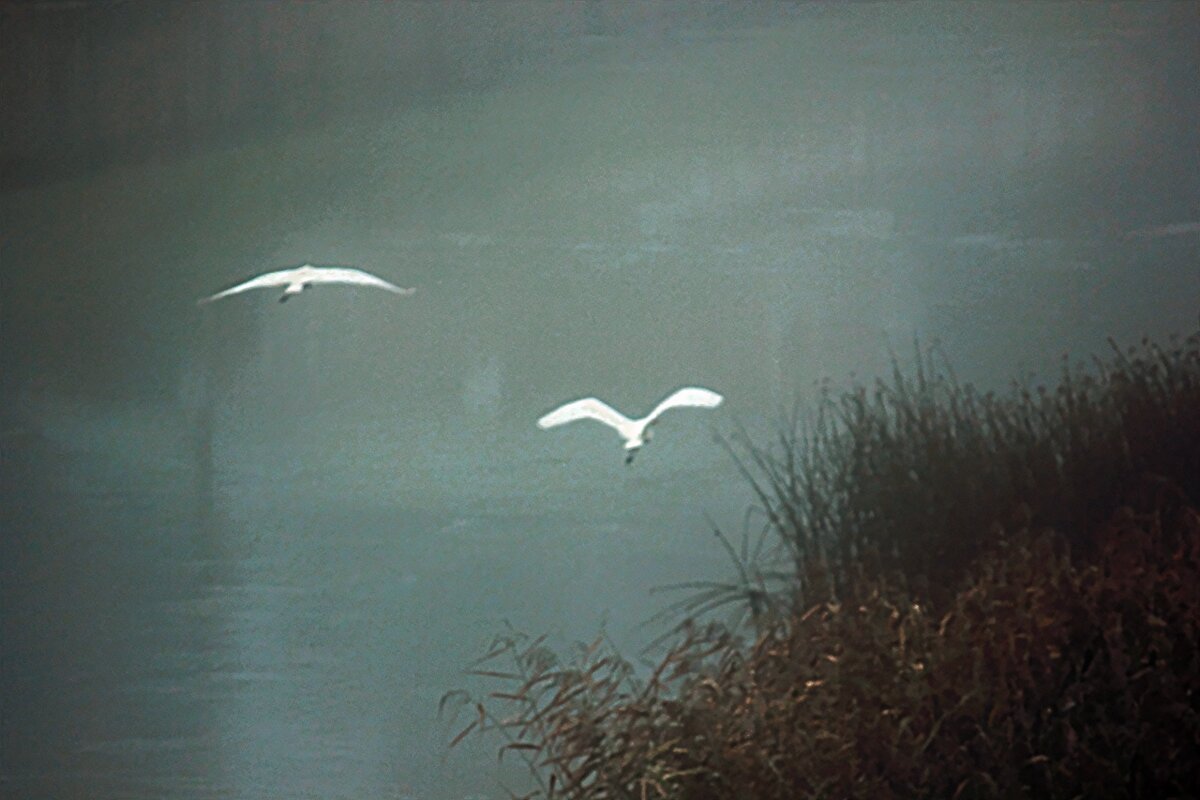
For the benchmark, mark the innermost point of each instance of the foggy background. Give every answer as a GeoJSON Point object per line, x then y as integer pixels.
{"type": "Point", "coordinates": [245, 548]}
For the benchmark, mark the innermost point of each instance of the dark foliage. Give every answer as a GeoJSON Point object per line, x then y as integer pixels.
{"type": "Point", "coordinates": [991, 599]}
{"type": "Point", "coordinates": [911, 477]}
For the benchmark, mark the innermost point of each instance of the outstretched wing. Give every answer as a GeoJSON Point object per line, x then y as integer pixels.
{"type": "Point", "coordinates": [689, 396]}
{"type": "Point", "coordinates": [357, 276]}
{"type": "Point", "coordinates": [279, 278]}
{"type": "Point", "coordinates": [587, 408]}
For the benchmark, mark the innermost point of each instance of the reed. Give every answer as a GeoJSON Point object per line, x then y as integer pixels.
{"type": "Point", "coordinates": [912, 476]}
{"type": "Point", "coordinates": [985, 598]}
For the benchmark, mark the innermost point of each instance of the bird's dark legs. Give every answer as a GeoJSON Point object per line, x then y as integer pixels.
{"type": "Point", "coordinates": [629, 456]}
{"type": "Point", "coordinates": [283, 299]}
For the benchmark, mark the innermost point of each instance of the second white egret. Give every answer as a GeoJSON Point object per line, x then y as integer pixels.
{"type": "Point", "coordinates": [635, 432]}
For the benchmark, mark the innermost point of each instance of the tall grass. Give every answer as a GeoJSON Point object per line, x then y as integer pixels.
{"type": "Point", "coordinates": [990, 597]}
{"type": "Point", "coordinates": [913, 475]}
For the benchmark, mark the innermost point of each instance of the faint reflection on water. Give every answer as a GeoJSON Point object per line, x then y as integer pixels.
{"type": "Point", "coordinates": [297, 652]}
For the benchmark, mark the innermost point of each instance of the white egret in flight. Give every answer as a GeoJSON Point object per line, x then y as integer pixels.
{"type": "Point", "coordinates": [298, 279]}
{"type": "Point", "coordinates": [635, 432]}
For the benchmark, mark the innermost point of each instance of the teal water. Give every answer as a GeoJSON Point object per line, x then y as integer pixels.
{"type": "Point", "coordinates": [245, 549]}
{"type": "Point", "coordinates": [281, 646]}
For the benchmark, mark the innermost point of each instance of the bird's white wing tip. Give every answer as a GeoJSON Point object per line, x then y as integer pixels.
{"type": "Point", "coordinates": [551, 420]}
{"type": "Point", "coordinates": [564, 413]}
{"type": "Point", "coordinates": [699, 393]}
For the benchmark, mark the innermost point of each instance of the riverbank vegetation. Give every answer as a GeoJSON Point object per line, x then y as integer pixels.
{"type": "Point", "coordinates": [955, 595]}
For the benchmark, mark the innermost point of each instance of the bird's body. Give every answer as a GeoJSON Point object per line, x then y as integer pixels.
{"type": "Point", "coordinates": [298, 279]}
{"type": "Point", "coordinates": [635, 432]}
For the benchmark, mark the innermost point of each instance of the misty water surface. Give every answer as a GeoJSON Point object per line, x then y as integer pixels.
{"type": "Point", "coordinates": [247, 547]}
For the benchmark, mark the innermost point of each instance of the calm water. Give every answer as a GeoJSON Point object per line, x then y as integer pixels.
{"type": "Point", "coordinates": [273, 645]}
{"type": "Point", "coordinates": [245, 549]}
